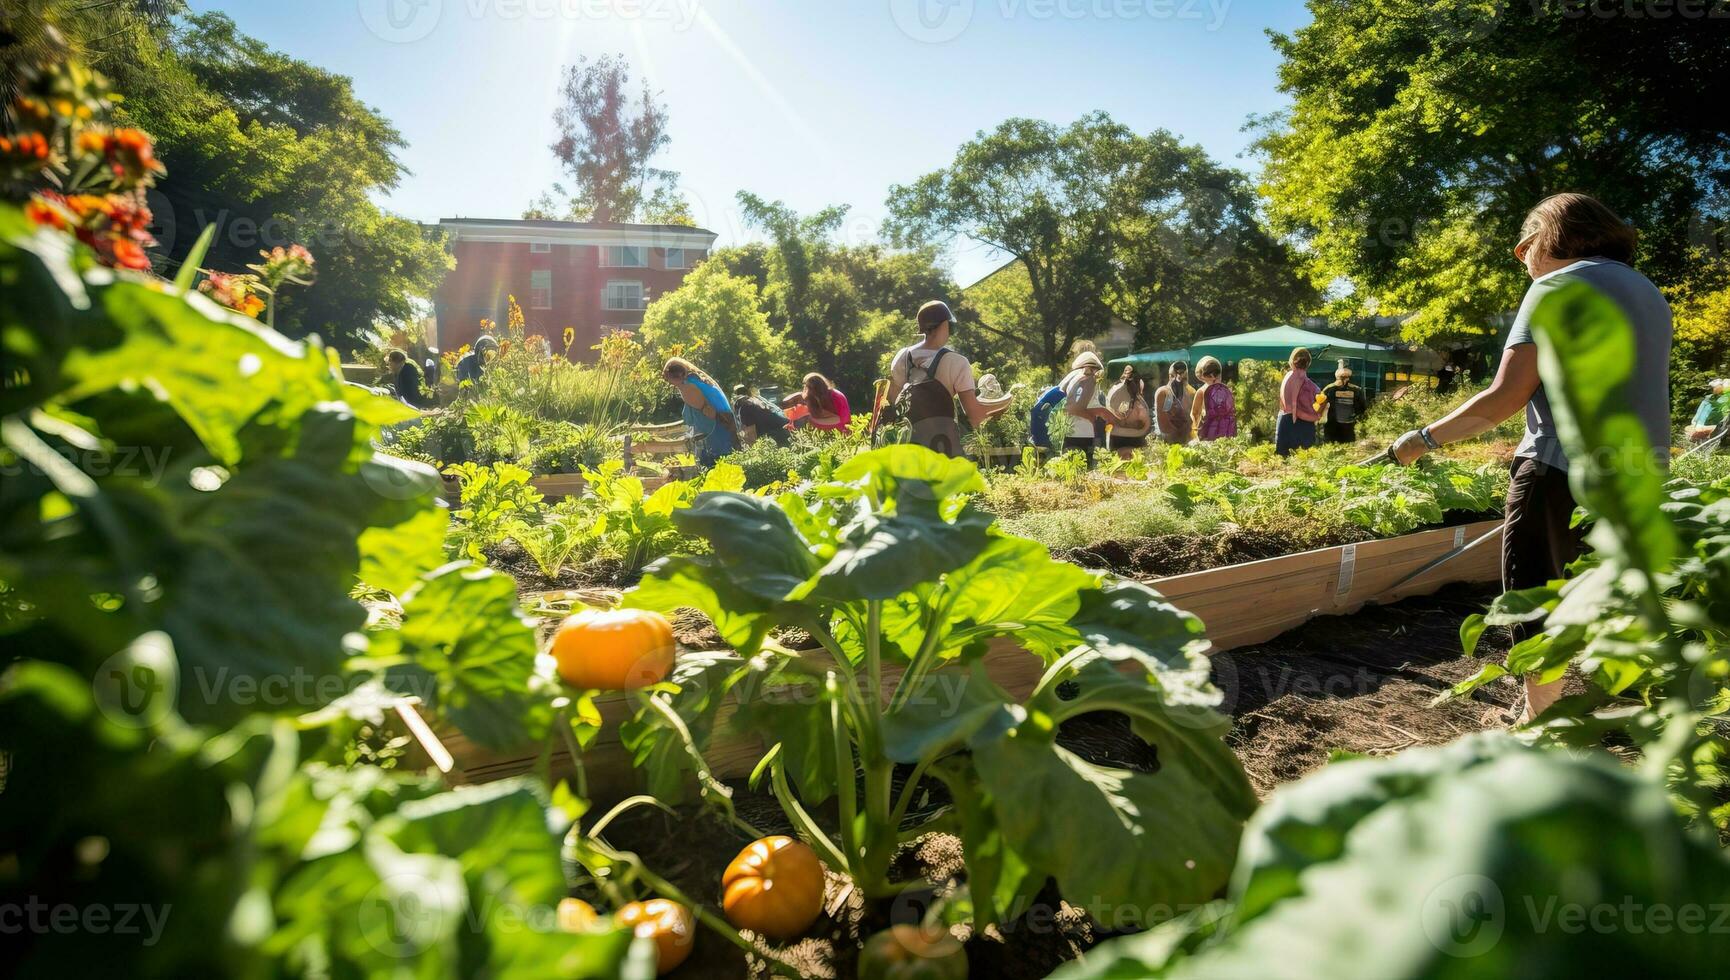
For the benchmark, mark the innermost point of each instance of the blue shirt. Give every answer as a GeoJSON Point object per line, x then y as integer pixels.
{"type": "Point", "coordinates": [1649, 388]}
{"type": "Point", "coordinates": [717, 436]}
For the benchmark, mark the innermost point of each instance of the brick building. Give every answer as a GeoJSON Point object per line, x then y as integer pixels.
{"type": "Point", "coordinates": [589, 276]}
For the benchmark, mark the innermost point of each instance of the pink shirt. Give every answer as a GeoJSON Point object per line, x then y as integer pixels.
{"type": "Point", "coordinates": [1297, 397]}
{"type": "Point", "coordinates": [843, 413]}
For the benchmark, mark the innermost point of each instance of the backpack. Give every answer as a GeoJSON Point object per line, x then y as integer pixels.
{"type": "Point", "coordinates": [926, 399]}
{"type": "Point", "coordinates": [1040, 421]}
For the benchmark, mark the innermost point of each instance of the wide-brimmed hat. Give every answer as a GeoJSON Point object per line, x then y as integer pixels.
{"type": "Point", "coordinates": [1086, 358]}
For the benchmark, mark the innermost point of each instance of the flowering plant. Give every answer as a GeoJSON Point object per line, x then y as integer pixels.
{"type": "Point", "coordinates": [98, 173]}
{"type": "Point", "coordinates": [239, 293]}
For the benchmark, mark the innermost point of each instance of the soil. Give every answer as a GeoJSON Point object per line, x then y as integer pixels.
{"type": "Point", "coordinates": [1361, 684]}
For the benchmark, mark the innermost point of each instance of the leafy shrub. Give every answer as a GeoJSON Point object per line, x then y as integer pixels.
{"type": "Point", "coordinates": [188, 666]}
{"type": "Point", "coordinates": [566, 447]}
{"type": "Point", "coordinates": [766, 462]}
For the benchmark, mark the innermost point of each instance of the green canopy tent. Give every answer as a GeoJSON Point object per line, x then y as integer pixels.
{"type": "Point", "coordinates": [1275, 344]}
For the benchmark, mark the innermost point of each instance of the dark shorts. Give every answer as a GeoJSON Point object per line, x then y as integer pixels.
{"type": "Point", "coordinates": [1339, 432]}
{"type": "Point", "coordinates": [1128, 442]}
{"type": "Point", "coordinates": [1537, 543]}
{"type": "Point", "coordinates": [1290, 434]}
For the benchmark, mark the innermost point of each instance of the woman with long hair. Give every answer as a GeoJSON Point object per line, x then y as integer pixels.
{"type": "Point", "coordinates": [1128, 401]}
{"type": "Point", "coordinates": [828, 408]}
{"type": "Point", "coordinates": [704, 409]}
{"type": "Point", "coordinates": [1216, 403]}
{"type": "Point", "coordinates": [1296, 426]}
{"type": "Point", "coordinates": [1566, 239]}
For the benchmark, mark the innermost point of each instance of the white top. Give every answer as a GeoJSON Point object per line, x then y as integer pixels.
{"type": "Point", "coordinates": [953, 373]}
{"type": "Point", "coordinates": [1080, 393]}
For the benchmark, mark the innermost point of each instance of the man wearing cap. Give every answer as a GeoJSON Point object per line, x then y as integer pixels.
{"type": "Point", "coordinates": [926, 379]}
{"type": "Point", "coordinates": [757, 418]}
{"type": "Point", "coordinates": [1084, 403]}
{"type": "Point", "coordinates": [1346, 404]}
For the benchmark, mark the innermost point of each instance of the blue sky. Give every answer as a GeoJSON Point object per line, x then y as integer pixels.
{"type": "Point", "coordinates": [813, 102]}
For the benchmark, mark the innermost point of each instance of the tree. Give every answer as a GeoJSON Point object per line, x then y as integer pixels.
{"type": "Point", "coordinates": [270, 149]}
{"type": "Point", "coordinates": [1105, 223]}
{"type": "Point", "coordinates": [720, 316]}
{"type": "Point", "coordinates": [607, 140]}
{"type": "Point", "coordinates": [1421, 131]}
{"type": "Point", "coordinates": [277, 151]}
{"type": "Point", "coordinates": [998, 312]}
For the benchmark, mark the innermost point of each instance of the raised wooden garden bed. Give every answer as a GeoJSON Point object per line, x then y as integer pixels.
{"type": "Point", "coordinates": [1241, 604]}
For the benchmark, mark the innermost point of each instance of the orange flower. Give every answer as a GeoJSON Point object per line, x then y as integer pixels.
{"type": "Point", "coordinates": [24, 154]}
{"type": "Point", "coordinates": [115, 225]}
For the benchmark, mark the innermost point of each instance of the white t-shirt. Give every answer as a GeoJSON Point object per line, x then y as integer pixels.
{"type": "Point", "coordinates": [1081, 393]}
{"type": "Point", "coordinates": [953, 373]}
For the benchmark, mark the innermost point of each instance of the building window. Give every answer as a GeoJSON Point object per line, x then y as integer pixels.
{"type": "Point", "coordinates": [623, 295]}
{"type": "Point", "coordinates": [541, 247]}
{"type": "Point", "coordinates": [540, 289]}
{"type": "Point", "coordinates": [676, 259]}
{"type": "Point", "coordinates": [624, 257]}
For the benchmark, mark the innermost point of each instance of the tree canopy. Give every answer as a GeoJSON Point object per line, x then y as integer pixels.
{"type": "Point", "coordinates": [719, 318]}
{"type": "Point", "coordinates": [1421, 131]}
{"type": "Point", "coordinates": [272, 150]}
{"type": "Point", "coordinates": [1107, 224]}
{"type": "Point", "coordinates": [608, 138]}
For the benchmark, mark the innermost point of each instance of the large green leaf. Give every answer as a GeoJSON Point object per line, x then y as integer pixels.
{"type": "Point", "coordinates": [945, 712]}
{"type": "Point", "coordinates": [1014, 587]}
{"type": "Point", "coordinates": [752, 539]}
{"type": "Point", "coordinates": [742, 618]}
{"type": "Point", "coordinates": [1127, 621]}
{"type": "Point", "coordinates": [884, 472]}
{"type": "Point", "coordinates": [1567, 865]}
{"type": "Point", "coordinates": [468, 652]}
{"type": "Point", "coordinates": [884, 555]}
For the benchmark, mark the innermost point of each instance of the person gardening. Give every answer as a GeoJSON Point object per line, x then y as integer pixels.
{"type": "Point", "coordinates": [1084, 404]}
{"type": "Point", "coordinates": [473, 364]}
{"type": "Point", "coordinates": [1346, 403]}
{"type": "Point", "coordinates": [758, 419]}
{"type": "Point", "coordinates": [405, 379]}
{"type": "Point", "coordinates": [1566, 238]}
{"type": "Point", "coordinates": [1710, 415]}
{"type": "Point", "coordinates": [927, 379]}
{"type": "Point", "coordinates": [704, 408]}
{"type": "Point", "coordinates": [824, 405]}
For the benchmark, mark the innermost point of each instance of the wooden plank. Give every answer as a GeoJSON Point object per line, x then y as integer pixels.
{"type": "Point", "coordinates": [1241, 605]}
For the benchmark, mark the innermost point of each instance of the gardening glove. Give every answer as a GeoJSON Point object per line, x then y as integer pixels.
{"type": "Point", "coordinates": [1408, 448]}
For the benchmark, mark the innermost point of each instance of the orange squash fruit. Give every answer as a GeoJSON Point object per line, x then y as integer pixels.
{"type": "Point", "coordinates": [774, 887]}
{"type": "Point", "coordinates": [576, 915]}
{"type": "Point", "coordinates": [669, 924]}
{"type": "Point", "coordinates": [614, 649]}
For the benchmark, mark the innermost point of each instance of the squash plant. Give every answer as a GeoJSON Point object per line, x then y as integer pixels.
{"type": "Point", "coordinates": [904, 585]}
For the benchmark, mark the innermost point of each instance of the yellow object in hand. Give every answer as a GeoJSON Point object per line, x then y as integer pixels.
{"type": "Point", "coordinates": [1321, 399]}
